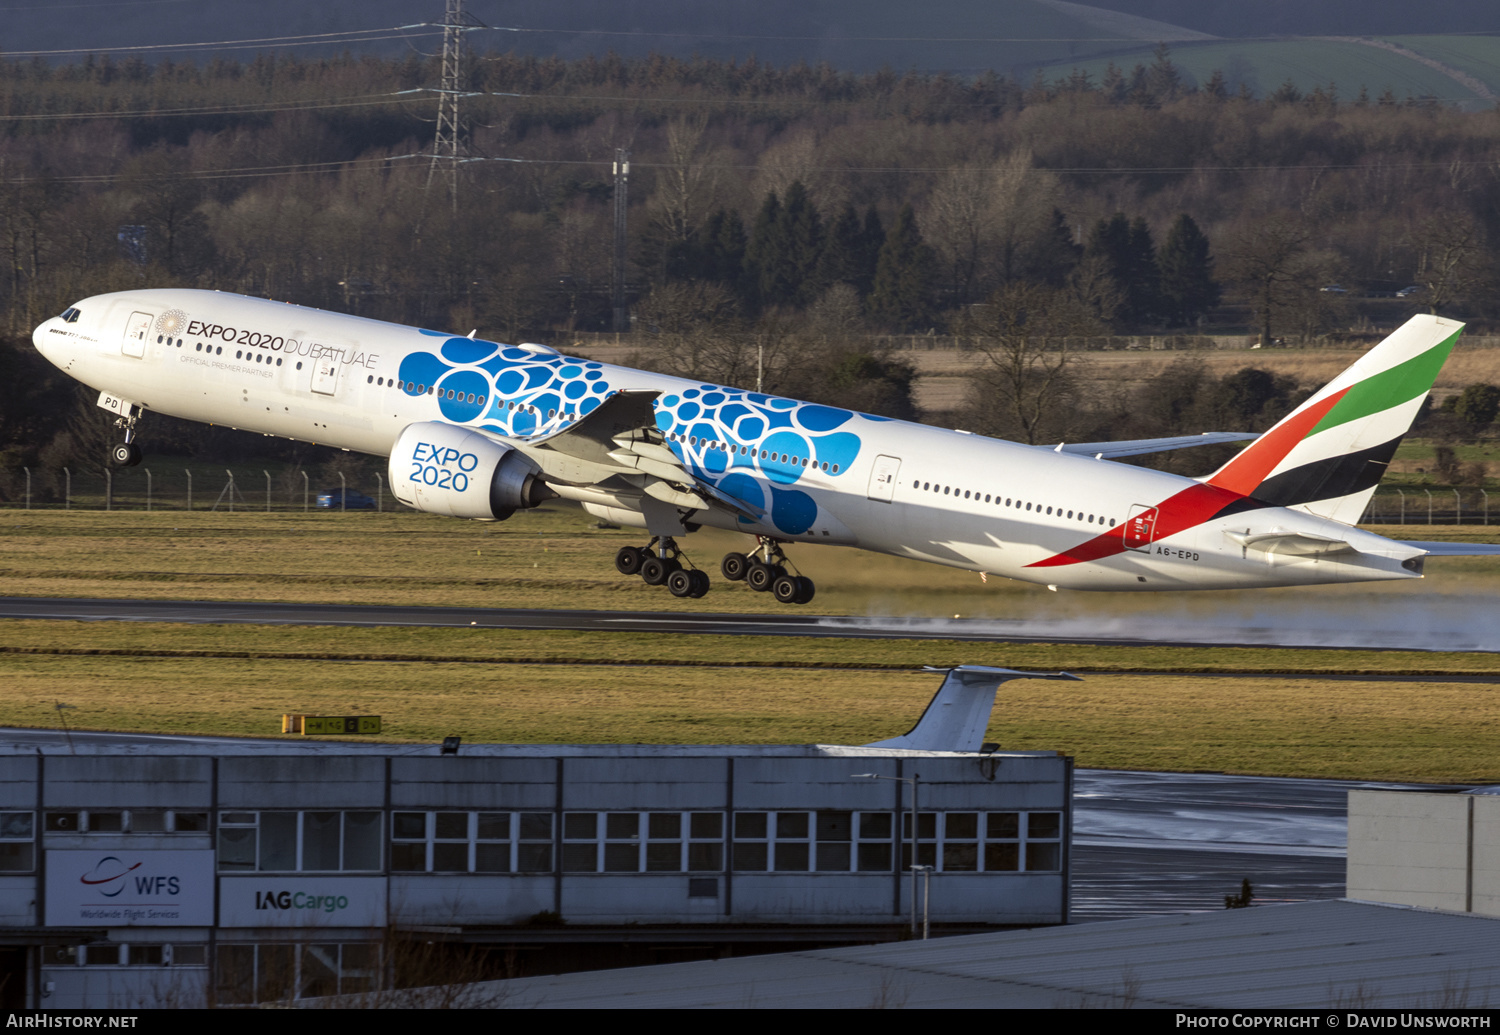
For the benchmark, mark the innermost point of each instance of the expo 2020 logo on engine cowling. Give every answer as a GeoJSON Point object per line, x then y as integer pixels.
{"type": "Point", "coordinates": [444, 469]}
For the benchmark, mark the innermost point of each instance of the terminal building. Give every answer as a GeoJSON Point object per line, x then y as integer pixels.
{"type": "Point", "coordinates": [159, 871]}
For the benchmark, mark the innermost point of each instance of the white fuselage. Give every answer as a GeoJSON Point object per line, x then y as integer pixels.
{"type": "Point", "coordinates": [910, 490]}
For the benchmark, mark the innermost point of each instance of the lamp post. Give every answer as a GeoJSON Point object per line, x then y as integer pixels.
{"type": "Point", "coordinates": [926, 872]}
{"type": "Point", "coordinates": [912, 780]}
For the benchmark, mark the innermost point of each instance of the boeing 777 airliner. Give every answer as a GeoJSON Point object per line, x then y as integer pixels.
{"type": "Point", "coordinates": [476, 429]}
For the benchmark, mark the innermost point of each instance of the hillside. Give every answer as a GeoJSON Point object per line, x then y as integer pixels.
{"type": "Point", "coordinates": [965, 37]}
{"type": "Point", "coordinates": [1004, 35]}
{"type": "Point", "coordinates": [1315, 17]}
{"type": "Point", "coordinates": [1464, 71]}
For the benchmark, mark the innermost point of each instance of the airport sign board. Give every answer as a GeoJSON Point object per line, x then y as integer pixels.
{"type": "Point", "coordinates": [292, 900]}
{"type": "Point", "coordinates": [113, 887]}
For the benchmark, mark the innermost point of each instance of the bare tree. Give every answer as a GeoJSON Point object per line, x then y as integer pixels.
{"type": "Point", "coordinates": [985, 221]}
{"type": "Point", "coordinates": [1029, 381]}
{"type": "Point", "coordinates": [686, 185]}
{"type": "Point", "coordinates": [1450, 249]}
{"type": "Point", "coordinates": [960, 227]}
{"type": "Point", "coordinates": [1270, 259]}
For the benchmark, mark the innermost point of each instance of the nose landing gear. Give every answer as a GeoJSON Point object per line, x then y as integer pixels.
{"type": "Point", "coordinates": [660, 563]}
{"type": "Point", "coordinates": [127, 453]}
{"type": "Point", "coordinates": [765, 568]}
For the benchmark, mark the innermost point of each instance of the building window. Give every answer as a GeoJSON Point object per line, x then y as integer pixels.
{"type": "Point", "coordinates": [825, 841]}
{"type": "Point", "coordinates": [17, 842]}
{"type": "Point", "coordinates": [471, 842]}
{"type": "Point", "coordinates": [643, 842]}
{"type": "Point", "coordinates": [118, 821]}
{"type": "Point", "coordinates": [992, 842]}
{"type": "Point", "coordinates": [299, 842]}
{"type": "Point", "coordinates": [249, 974]}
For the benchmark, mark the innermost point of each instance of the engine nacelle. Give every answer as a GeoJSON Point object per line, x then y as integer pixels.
{"type": "Point", "coordinates": [444, 469]}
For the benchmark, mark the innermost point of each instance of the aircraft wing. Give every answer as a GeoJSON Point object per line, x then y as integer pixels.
{"type": "Point", "coordinates": [1454, 549]}
{"type": "Point", "coordinates": [619, 440]}
{"type": "Point", "coordinates": [1137, 446]}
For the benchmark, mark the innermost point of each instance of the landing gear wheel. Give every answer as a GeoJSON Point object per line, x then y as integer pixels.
{"type": "Point", "coordinates": [655, 570]}
{"type": "Point", "coordinates": [700, 583]}
{"type": "Point", "coordinates": [759, 577]}
{"type": "Point", "coordinates": [629, 560]}
{"type": "Point", "coordinates": [786, 589]}
{"type": "Point", "coordinates": [680, 583]}
{"type": "Point", "coordinates": [734, 566]}
{"type": "Point", "coordinates": [805, 590]}
{"type": "Point", "coordinates": [126, 454]}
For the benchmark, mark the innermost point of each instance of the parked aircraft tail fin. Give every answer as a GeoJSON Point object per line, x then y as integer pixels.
{"type": "Point", "coordinates": [1329, 454]}
{"type": "Point", "coordinates": [959, 714]}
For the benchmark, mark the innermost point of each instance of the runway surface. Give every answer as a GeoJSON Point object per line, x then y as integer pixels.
{"type": "Point", "coordinates": [792, 624]}
{"type": "Point", "coordinates": [1145, 844]}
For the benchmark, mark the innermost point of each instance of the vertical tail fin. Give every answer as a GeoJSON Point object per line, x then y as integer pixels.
{"type": "Point", "coordinates": [959, 713]}
{"type": "Point", "coordinates": [1327, 456]}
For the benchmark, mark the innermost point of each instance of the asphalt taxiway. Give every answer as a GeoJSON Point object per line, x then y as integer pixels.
{"type": "Point", "coordinates": [987, 630]}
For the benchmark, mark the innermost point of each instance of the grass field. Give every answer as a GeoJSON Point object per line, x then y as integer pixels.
{"type": "Point", "coordinates": [942, 382]}
{"type": "Point", "coordinates": [1478, 56]}
{"type": "Point", "coordinates": [1270, 711]}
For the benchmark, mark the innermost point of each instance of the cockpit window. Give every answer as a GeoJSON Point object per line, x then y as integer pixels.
{"type": "Point", "coordinates": [71, 314]}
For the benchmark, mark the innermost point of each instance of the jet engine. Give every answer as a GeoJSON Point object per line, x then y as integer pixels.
{"type": "Point", "coordinates": [445, 469]}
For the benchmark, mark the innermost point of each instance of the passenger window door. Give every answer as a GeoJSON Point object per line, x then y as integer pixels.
{"type": "Point", "coordinates": [883, 478]}
{"type": "Point", "coordinates": [134, 343]}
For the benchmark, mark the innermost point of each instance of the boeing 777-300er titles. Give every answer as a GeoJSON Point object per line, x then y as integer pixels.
{"type": "Point", "coordinates": [475, 429]}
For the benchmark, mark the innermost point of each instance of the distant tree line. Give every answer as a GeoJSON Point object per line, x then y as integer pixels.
{"type": "Point", "coordinates": [779, 216]}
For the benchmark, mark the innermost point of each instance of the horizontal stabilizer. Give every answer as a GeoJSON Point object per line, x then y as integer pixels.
{"type": "Point", "coordinates": [959, 714]}
{"type": "Point", "coordinates": [1138, 446]}
{"type": "Point", "coordinates": [1454, 549]}
{"type": "Point", "coordinates": [1294, 543]}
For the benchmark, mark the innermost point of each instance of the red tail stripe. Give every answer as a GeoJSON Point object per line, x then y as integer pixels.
{"type": "Point", "coordinates": [1192, 506]}
{"type": "Point", "coordinates": [1245, 472]}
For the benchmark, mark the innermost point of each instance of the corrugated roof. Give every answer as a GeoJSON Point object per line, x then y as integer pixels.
{"type": "Point", "coordinates": [1332, 954]}
{"type": "Point", "coordinates": [28, 741]}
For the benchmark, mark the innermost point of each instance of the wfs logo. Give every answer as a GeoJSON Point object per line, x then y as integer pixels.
{"type": "Point", "coordinates": [109, 877]}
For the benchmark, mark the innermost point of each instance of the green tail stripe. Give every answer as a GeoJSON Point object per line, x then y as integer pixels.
{"type": "Point", "coordinates": [1401, 383]}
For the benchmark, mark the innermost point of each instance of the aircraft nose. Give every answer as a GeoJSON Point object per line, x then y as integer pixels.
{"type": "Point", "coordinates": [49, 342]}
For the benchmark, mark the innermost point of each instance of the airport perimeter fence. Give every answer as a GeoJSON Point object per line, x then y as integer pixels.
{"type": "Point", "coordinates": [226, 490]}
{"type": "Point", "coordinates": [158, 487]}
{"type": "Point", "coordinates": [1438, 505]}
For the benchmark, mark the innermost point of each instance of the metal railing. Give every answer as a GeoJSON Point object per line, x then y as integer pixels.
{"type": "Point", "coordinates": [1441, 505]}
{"type": "Point", "coordinates": [145, 489]}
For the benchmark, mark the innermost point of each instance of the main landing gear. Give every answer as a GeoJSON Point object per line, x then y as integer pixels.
{"type": "Point", "coordinates": [660, 563]}
{"type": "Point", "coordinates": [127, 453]}
{"type": "Point", "coordinates": [764, 568]}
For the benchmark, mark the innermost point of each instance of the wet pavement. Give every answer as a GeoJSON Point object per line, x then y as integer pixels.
{"type": "Point", "coordinates": [1147, 844]}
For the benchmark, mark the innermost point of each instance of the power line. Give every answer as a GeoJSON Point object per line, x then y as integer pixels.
{"type": "Point", "coordinates": [404, 31]}
{"type": "Point", "coordinates": [224, 109]}
{"type": "Point", "coordinates": [120, 3]}
{"type": "Point", "coordinates": [1141, 41]}
{"type": "Point", "coordinates": [305, 40]}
